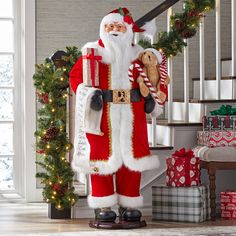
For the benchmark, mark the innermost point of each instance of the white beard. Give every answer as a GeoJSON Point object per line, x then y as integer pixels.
{"type": "Point", "coordinates": [119, 52]}
{"type": "Point", "coordinates": [117, 47]}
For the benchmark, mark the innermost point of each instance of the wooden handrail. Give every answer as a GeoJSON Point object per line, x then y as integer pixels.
{"type": "Point", "coordinates": [155, 12]}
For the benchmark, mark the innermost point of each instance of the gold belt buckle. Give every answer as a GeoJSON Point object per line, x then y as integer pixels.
{"type": "Point", "coordinates": [121, 96]}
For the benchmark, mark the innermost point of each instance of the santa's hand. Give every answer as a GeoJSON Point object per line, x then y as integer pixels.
{"type": "Point", "coordinates": [149, 104]}
{"type": "Point", "coordinates": [96, 101]}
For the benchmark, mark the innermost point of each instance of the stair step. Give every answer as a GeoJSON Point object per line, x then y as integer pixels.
{"type": "Point", "coordinates": [226, 59]}
{"type": "Point", "coordinates": [175, 123]}
{"type": "Point", "coordinates": [218, 101]}
{"type": "Point", "coordinates": [214, 78]}
{"type": "Point", "coordinates": [192, 100]}
{"type": "Point", "coordinates": [161, 147]}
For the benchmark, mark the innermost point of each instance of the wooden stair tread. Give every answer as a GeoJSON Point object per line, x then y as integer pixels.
{"type": "Point", "coordinates": [196, 100]}
{"type": "Point", "coordinates": [214, 78]}
{"type": "Point", "coordinates": [226, 59]}
{"type": "Point", "coordinates": [192, 100]}
{"type": "Point", "coordinates": [217, 101]}
{"type": "Point", "coordinates": [161, 147]}
{"type": "Point", "coordinates": [165, 122]}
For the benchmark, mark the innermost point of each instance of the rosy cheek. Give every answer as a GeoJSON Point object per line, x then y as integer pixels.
{"type": "Point", "coordinates": [123, 29]}
{"type": "Point", "coordinates": [107, 29]}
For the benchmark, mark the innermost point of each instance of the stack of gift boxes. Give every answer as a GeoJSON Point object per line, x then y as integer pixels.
{"type": "Point", "coordinates": [219, 130]}
{"type": "Point", "coordinates": [183, 198]}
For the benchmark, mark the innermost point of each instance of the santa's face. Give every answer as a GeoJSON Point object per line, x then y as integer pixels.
{"type": "Point", "coordinates": [116, 32]}
{"type": "Point", "coordinates": [113, 30]}
{"type": "Point", "coordinates": [115, 27]}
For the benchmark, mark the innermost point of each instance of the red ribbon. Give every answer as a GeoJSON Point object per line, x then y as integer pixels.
{"type": "Point", "coordinates": [183, 153]}
{"type": "Point", "coordinates": [187, 154]}
{"type": "Point", "coordinates": [92, 59]}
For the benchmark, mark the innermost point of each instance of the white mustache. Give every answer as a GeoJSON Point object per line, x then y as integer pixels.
{"type": "Point", "coordinates": [115, 32]}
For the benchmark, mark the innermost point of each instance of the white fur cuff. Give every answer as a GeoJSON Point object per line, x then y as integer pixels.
{"type": "Point", "coordinates": [99, 202]}
{"type": "Point", "coordinates": [131, 202]}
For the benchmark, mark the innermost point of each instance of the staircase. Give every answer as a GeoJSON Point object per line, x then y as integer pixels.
{"type": "Point", "coordinates": [182, 117]}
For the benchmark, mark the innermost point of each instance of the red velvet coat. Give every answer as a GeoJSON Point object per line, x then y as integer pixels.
{"type": "Point", "coordinates": [125, 139]}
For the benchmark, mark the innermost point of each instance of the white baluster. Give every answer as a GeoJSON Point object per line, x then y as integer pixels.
{"type": "Point", "coordinates": [202, 58]}
{"type": "Point", "coordinates": [186, 81]}
{"type": "Point", "coordinates": [170, 72]}
{"type": "Point", "coordinates": [154, 120]}
{"type": "Point", "coordinates": [233, 32]}
{"type": "Point", "coordinates": [218, 49]}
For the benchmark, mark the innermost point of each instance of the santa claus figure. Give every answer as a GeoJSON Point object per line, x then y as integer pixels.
{"type": "Point", "coordinates": [120, 152]}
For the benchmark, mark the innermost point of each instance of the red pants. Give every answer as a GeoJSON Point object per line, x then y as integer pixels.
{"type": "Point", "coordinates": [127, 185]}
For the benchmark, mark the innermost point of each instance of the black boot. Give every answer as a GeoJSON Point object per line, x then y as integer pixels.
{"type": "Point", "coordinates": [129, 214]}
{"type": "Point", "coordinates": [105, 215]}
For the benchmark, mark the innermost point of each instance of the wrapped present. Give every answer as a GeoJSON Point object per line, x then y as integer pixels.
{"type": "Point", "coordinates": [90, 66]}
{"type": "Point", "coordinates": [182, 169]}
{"type": "Point", "coordinates": [190, 204]}
{"type": "Point", "coordinates": [228, 204]}
{"type": "Point", "coordinates": [224, 110]}
{"type": "Point", "coordinates": [216, 123]}
{"type": "Point", "coordinates": [222, 138]}
{"type": "Point", "coordinates": [211, 123]}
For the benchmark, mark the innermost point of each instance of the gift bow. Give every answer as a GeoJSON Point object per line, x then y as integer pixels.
{"type": "Point", "coordinates": [184, 153]}
{"type": "Point", "coordinates": [224, 110]}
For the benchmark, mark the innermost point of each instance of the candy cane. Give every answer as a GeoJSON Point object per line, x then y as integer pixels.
{"type": "Point", "coordinates": [151, 88]}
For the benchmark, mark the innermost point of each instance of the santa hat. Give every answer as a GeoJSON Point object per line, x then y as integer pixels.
{"type": "Point", "coordinates": [123, 15]}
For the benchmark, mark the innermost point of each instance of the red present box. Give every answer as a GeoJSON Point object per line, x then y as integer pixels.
{"type": "Point", "coordinates": [182, 169]}
{"type": "Point", "coordinates": [217, 138]}
{"type": "Point", "coordinates": [228, 205]}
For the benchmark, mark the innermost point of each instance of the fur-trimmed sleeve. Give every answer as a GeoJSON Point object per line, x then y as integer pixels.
{"type": "Point", "coordinates": [76, 74]}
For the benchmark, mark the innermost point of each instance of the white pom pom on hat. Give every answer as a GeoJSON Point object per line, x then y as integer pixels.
{"type": "Point", "coordinates": [156, 52]}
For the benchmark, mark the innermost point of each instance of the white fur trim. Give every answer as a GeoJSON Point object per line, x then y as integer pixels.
{"type": "Point", "coordinates": [131, 202]}
{"type": "Point", "coordinates": [81, 159]}
{"type": "Point", "coordinates": [99, 202]}
{"type": "Point", "coordinates": [136, 164]}
{"type": "Point", "coordinates": [156, 52]}
{"type": "Point", "coordinates": [150, 28]}
{"type": "Point", "coordinates": [83, 165]}
{"type": "Point", "coordinates": [112, 17]}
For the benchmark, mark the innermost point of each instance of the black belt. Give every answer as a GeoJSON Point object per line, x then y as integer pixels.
{"type": "Point", "coordinates": [121, 96]}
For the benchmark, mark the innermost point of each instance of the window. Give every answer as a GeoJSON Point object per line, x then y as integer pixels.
{"type": "Point", "coordinates": [7, 95]}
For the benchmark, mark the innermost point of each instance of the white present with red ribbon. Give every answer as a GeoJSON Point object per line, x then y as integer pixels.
{"type": "Point", "coordinates": [182, 169]}
{"type": "Point", "coordinates": [228, 204]}
{"type": "Point", "coordinates": [90, 66]}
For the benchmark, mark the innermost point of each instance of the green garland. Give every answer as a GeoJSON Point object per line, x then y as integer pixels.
{"type": "Point", "coordinates": [183, 25]}
{"type": "Point", "coordinates": [52, 144]}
